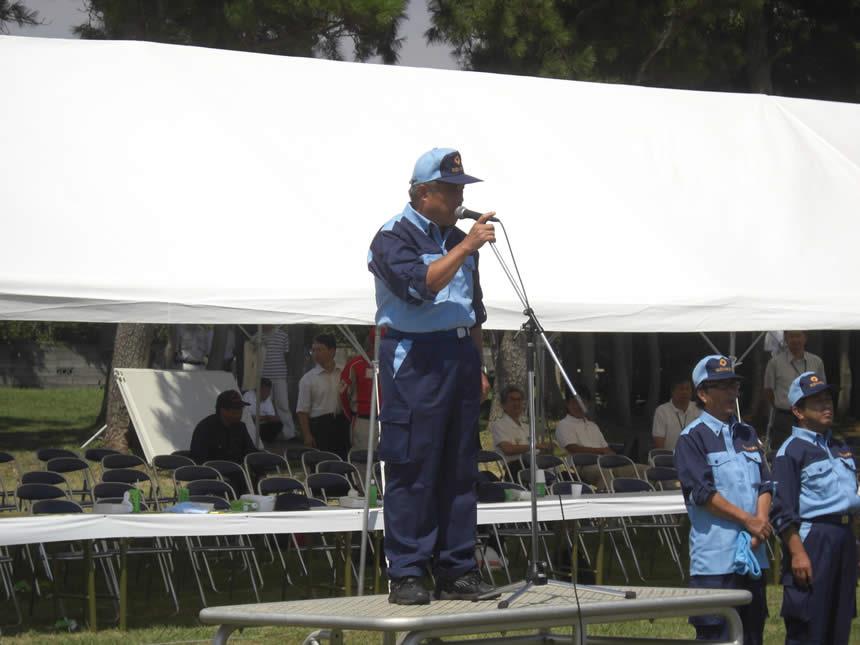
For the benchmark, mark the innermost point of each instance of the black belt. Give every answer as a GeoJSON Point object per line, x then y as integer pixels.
{"type": "Point", "coordinates": [457, 332]}
{"type": "Point", "coordinates": [363, 416]}
{"type": "Point", "coordinates": [840, 519]}
{"type": "Point", "coordinates": [326, 416]}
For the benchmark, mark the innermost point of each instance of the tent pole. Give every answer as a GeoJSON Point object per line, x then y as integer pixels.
{"type": "Point", "coordinates": [710, 344]}
{"type": "Point", "coordinates": [368, 467]}
{"type": "Point", "coordinates": [259, 381]}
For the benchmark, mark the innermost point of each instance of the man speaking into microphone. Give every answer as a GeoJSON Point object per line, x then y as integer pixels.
{"type": "Point", "coordinates": [428, 296]}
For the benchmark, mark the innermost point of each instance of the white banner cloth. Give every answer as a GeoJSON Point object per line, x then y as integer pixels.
{"type": "Point", "coordinates": [88, 526]}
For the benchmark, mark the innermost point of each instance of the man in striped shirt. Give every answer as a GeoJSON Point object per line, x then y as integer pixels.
{"type": "Point", "coordinates": [276, 345]}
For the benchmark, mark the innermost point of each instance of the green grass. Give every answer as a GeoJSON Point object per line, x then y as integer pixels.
{"type": "Point", "coordinates": [65, 418]}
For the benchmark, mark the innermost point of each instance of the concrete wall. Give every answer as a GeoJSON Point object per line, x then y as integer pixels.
{"type": "Point", "coordinates": [29, 364]}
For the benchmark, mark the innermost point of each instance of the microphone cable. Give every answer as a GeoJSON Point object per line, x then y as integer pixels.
{"type": "Point", "coordinates": [573, 565]}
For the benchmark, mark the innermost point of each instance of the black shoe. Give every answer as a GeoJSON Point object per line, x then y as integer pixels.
{"type": "Point", "coordinates": [469, 586]}
{"type": "Point", "coordinates": [408, 591]}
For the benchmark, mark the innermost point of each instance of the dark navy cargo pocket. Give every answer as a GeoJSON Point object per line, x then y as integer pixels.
{"type": "Point", "coordinates": [795, 600]}
{"type": "Point", "coordinates": [394, 440]}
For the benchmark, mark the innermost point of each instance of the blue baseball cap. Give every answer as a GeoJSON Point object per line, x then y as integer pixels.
{"type": "Point", "coordinates": [441, 164]}
{"type": "Point", "coordinates": [714, 368]}
{"type": "Point", "coordinates": [805, 385]}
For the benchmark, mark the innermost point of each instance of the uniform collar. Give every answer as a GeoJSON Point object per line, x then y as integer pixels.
{"type": "Point", "coordinates": [716, 426]}
{"type": "Point", "coordinates": [810, 436]}
{"type": "Point", "coordinates": [430, 229]}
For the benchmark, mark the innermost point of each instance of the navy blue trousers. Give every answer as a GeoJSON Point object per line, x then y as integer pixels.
{"type": "Point", "coordinates": [431, 387]}
{"type": "Point", "coordinates": [752, 615]}
{"type": "Point", "coordinates": [822, 614]}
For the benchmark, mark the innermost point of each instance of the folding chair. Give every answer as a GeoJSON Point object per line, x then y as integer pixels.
{"type": "Point", "coordinates": [284, 487]}
{"type": "Point", "coordinates": [95, 456]}
{"type": "Point", "coordinates": [277, 485]}
{"type": "Point", "coordinates": [137, 478]}
{"type": "Point", "coordinates": [343, 468]}
{"type": "Point", "coordinates": [46, 454]}
{"type": "Point", "coordinates": [185, 474]}
{"type": "Point", "coordinates": [219, 493]}
{"type": "Point", "coordinates": [656, 452]}
{"type": "Point", "coordinates": [163, 467]}
{"type": "Point", "coordinates": [556, 465]}
{"type": "Point", "coordinates": [663, 461]}
{"type": "Point", "coordinates": [119, 460]}
{"type": "Point", "coordinates": [493, 462]}
{"type": "Point", "coordinates": [494, 492]}
{"type": "Point", "coordinates": [658, 523]}
{"type": "Point", "coordinates": [579, 462]}
{"type": "Point", "coordinates": [7, 578]}
{"type": "Point", "coordinates": [74, 465]}
{"type": "Point", "coordinates": [358, 457]}
{"type": "Point", "coordinates": [233, 473]}
{"type": "Point", "coordinates": [293, 455]}
{"type": "Point", "coordinates": [47, 477]}
{"type": "Point", "coordinates": [609, 465]}
{"type": "Point", "coordinates": [662, 478]}
{"type": "Point", "coordinates": [260, 464]}
{"type": "Point", "coordinates": [311, 458]}
{"type": "Point", "coordinates": [160, 548]}
{"type": "Point", "coordinates": [525, 478]}
{"type": "Point", "coordinates": [327, 486]}
{"type": "Point", "coordinates": [58, 552]}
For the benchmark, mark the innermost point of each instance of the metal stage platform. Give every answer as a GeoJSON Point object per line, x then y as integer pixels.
{"type": "Point", "coordinates": [539, 609]}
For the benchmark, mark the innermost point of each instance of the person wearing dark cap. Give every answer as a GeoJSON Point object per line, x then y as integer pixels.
{"type": "Point", "coordinates": [816, 495]}
{"type": "Point", "coordinates": [223, 435]}
{"type": "Point", "coordinates": [428, 296]}
{"type": "Point", "coordinates": [727, 489]}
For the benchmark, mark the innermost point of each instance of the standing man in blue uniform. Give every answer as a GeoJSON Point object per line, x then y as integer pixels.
{"type": "Point", "coordinates": [428, 295]}
{"type": "Point", "coordinates": [816, 495]}
{"type": "Point", "coordinates": [727, 490]}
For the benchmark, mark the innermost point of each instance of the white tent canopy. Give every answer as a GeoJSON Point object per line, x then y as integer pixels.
{"type": "Point", "coordinates": [153, 183]}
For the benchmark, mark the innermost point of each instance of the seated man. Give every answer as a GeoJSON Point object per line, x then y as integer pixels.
{"type": "Point", "coordinates": [510, 436]}
{"type": "Point", "coordinates": [672, 417]}
{"type": "Point", "coordinates": [577, 434]}
{"type": "Point", "coordinates": [270, 423]}
{"type": "Point", "coordinates": [223, 435]}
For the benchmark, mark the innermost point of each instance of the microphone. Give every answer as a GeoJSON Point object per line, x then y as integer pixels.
{"type": "Point", "coordinates": [464, 213]}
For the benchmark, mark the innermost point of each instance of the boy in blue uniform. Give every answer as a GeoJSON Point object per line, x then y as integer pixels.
{"type": "Point", "coordinates": [727, 490]}
{"type": "Point", "coordinates": [816, 495]}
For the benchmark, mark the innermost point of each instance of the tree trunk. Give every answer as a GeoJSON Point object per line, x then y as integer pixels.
{"type": "Point", "coordinates": [131, 348]}
{"type": "Point", "coordinates": [102, 418]}
{"type": "Point", "coordinates": [218, 347]}
{"type": "Point", "coordinates": [759, 62]}
{"type": "Point", "coordinates": [510, 369]}
{"type": "Point", "coordinates": [585, 363]}
{"type": "Point", "coordinates": [622, 374]}
{"type": "Point", "coordinates": [654, 374]}
{"type": "Point", "coordinates": [844, 401]}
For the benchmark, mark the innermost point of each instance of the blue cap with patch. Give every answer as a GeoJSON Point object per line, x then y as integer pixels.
{"type": "Point", "coordinates": [441, 164]}
{"type": "Point", "coordinates": [805, 385]}
{"type": "Point", "coordinates": [714, 368]}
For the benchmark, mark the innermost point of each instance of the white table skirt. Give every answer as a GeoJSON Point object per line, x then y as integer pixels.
{"type": "Point", "coordinates": [89, 526]}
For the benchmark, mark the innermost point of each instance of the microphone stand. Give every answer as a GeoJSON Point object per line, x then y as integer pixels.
{"type": "Point", "coordinates": [536, 570]}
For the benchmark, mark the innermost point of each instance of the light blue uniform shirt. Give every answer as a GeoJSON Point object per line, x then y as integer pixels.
{"type": "Point", "coordinates": [398, 258]}
{"type": "Point", "coordinates": [712, 456]}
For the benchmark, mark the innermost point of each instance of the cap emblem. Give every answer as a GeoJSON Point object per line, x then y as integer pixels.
{"type": "Point", "coordinates": [813, 379]}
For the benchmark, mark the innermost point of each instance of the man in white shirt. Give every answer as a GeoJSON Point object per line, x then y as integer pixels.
{"type": "Point", "coordinates": [270, 423]}
{"type": "Point", "coordinates": [577, 434]}
{"type": "Point", "coordinates": [510, 435]}
{"type": "Point", "coordinates": [321, 418]}
{"type": "Point", "coordinates": [673, 416]}
{"type": "Point", "coordinates": [781, 370]}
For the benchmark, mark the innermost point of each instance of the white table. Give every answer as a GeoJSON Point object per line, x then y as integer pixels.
{"type": "Point", "coordinates": [90, 526]}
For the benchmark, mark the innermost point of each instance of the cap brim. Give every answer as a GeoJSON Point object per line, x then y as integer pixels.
{"type": "Point", "coordinates": [459, 179]}
{"type": "Point", "coordinates": [728, 376]}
